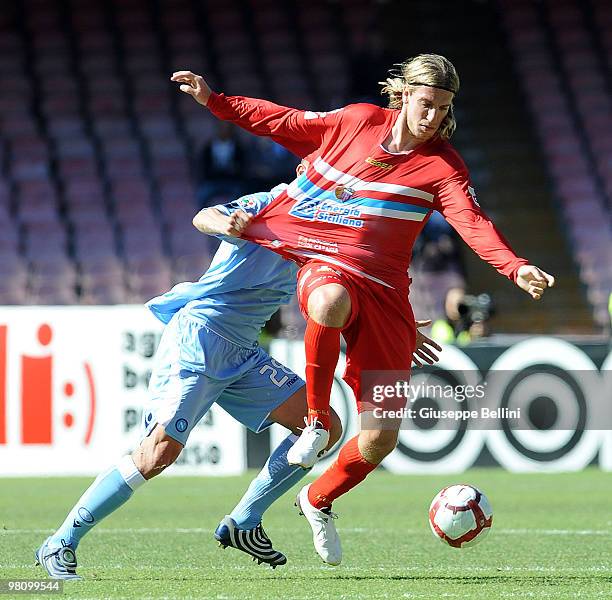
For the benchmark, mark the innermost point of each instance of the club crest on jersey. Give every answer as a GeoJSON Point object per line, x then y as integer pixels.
{"type": "Point", "coordinates": [344, 192]}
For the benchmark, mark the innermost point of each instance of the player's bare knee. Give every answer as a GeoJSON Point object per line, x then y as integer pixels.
{"type": "Point", "coordinates": [156, 453]}
{"type": "Point", "coordinates": [166, 452]}
{"type": "Point", "coordinates": [387, 444]}
{"type": "Point", "coordinates": [156, 459]}
{"type": "Point", "coordinates": [330, 305]}
{"type": "Point", "coordinates": [375, 445]}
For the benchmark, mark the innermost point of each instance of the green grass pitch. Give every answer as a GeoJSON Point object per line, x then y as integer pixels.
{"type": "Point", "coordinates": [551, 538]}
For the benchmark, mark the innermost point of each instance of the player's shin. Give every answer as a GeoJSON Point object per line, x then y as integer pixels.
{"type": "Point", "coordinates": [322, 346]}
{"type": "Point", "coordinates": [350, 469]}
{"type": "Point", "coordinates": [276, 477]}
{"type": "Point", "coordinates": [106, 494]}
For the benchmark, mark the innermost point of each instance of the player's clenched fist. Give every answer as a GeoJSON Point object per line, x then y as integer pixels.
{"type": "Point", "coordinates": [193, 84]}
{"type": "Point", "coordinates": [213, 222]}
{"type": "Point", "coordinates": [533, 280]}
{"type": "Point", "coordinates": [237, 223]}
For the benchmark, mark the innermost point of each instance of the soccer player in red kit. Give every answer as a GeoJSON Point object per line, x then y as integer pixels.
{"type": "Point", "coordinates": [351, 221]}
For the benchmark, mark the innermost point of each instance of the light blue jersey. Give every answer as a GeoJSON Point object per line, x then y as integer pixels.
{"type": "Point", "coordinates": [243, 287]}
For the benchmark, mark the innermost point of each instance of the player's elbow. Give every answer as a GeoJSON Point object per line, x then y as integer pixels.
{"type": "Point", "coordinates": [196, 220]}
{"type": "Point", "coordinates": [201, 221]}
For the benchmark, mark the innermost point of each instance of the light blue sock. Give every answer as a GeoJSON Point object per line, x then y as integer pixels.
{"type": "Point", "coordinates": [276, 477]}
{"type": "Point", "coordinates": [106, 494]}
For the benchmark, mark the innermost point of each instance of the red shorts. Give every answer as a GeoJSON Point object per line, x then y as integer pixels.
{"type": "Point", "coordinates": [380, 334]}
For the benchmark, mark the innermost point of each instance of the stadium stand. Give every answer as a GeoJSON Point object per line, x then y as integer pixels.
{"type": "Point", "coordinates": [98, 151]}
{"type": "Point", "coordinates": [563, 55]}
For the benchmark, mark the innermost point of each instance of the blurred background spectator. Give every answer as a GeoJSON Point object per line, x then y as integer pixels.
{"type": "Point", "coordinates": [437, 249]}
{"type": "Point", "coordinates": [268, 164]}
{"type": "Point", "coordinates": [221, 167]}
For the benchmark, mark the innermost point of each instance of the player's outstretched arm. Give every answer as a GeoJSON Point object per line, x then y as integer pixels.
{"type": "Point", "coordinates": [457, 202]}
{"type": "Point", "coordinates": [194, 85]}
{"type": "Point", "coordinates": [301, 132]}
{"type": "Point", "coordinates": [533, 280]}
{"type": "Point", "coordinates": [424, 352]}
{"type": "Point", "coordinates": [213, 222]}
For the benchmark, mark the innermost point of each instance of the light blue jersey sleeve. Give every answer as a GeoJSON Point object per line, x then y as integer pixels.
{"type": "Point", "coordinates": [251, 204]}
{"type": "Point", "coordinates": [244, 285]}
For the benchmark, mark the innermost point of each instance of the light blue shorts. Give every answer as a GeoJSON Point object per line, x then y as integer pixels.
{"type": "Point", "coordinates": [195, 367]}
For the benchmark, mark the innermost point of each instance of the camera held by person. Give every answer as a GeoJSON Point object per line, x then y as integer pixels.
{"type": "Point", "coordinates": [466, 319]}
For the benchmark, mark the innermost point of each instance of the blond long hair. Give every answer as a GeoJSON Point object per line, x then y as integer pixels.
{"type": "Point", "coordinates": [425, 69]}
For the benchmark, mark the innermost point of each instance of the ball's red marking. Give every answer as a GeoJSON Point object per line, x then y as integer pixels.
{"type": "Point", "coordinates": [451, 542]}
{"type": "Point", "coordinates": [68, 420]}
{"type": "Point", "coordinates": [68, 389]}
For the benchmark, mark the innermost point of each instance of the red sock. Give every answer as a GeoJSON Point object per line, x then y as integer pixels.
{"type": "Point", "coordinates": [349, 469]}
{"type": "Point", "coordinates": [322, 351]}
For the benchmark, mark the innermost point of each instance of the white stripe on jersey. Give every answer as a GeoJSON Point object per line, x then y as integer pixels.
{"type": "Point", "coordinates": [389, 212]}
{"type": "Point", "coordinates": [338, 263]}
{"type": "Point", "coordinates": [357, 184]}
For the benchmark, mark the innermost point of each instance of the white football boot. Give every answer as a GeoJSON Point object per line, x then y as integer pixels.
{"type": "Point", "coordinates": [60, 563]}
{"type": "Point", "coordinates": [324, 535]}
{"type": "Point", "coordinates": [309, 447]}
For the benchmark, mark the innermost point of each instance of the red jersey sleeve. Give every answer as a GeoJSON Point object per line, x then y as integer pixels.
{"type": "Point", "coordinates": [456, 200]}
{"type": "Point", "coordinates": [301, 132]}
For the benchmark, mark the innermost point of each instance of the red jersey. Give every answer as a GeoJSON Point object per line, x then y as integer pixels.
{"type": "Point", "coordinates": [359, 206]}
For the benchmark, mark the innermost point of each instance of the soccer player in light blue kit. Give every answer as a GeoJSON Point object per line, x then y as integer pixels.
{"type": "Point", "coordinates": [209, 353]}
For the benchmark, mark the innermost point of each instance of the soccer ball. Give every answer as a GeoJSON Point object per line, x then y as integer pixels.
{"type": "Point", "coordinates": [460, 516]}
